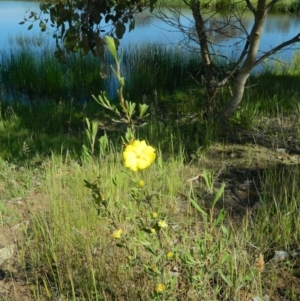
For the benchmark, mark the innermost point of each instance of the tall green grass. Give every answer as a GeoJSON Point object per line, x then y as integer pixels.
{"type": "Point", "coordinates": [152, 67]}
{"type": "Point", "coordinates": [37, 76]}
{"type": "Point", "coordinates": [69, 253]}
{"type": "Point", "coordinates": [166, 79]}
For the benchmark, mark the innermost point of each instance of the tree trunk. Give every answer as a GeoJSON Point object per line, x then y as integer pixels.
{"type": "Point", "coordinates": [239, 84]}
{"type": "Point", "coordinates": [210, 105]}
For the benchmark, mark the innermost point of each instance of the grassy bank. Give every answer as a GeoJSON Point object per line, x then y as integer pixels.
{"type": "Point", "coordinates": [210, 249]}
{"type": "Point", "coordinates": [291, 6]}
{"type": "Point", "coordinates": [32, 74]}
{"type": "Point", "coordinates": [216, 216]}
{"type": "Point", "coordinates": [48, 102]}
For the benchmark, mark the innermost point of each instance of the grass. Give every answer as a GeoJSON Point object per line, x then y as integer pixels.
{"type": "Point", "coordinates": [68, 252]}
{"type": "Point", "coordinates": [34, 75]}
{"type": "Point", "coordinates": [281, 6]}
{"type": "Point", "coordinates": [221, 242]}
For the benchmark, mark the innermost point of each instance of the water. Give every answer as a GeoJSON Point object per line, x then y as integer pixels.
{"type": "Point", "coordinates": [278, 28]}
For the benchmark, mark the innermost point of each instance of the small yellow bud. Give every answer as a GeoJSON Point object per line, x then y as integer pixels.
{"type": "Point", "coordinates": [170, 255]}
{"type": "Point", "coordinates": [160, 288]}
{"type": "Point", "coordinates": [154, 214]}
{"type": "Point", "coordinates": [154, 269]}
{"type": "Point", "coordinates": [141, 183]}
{"type": "Point", "coordinates": [117, 234]}
{"type": "Point", "coordinates": [153, 231]}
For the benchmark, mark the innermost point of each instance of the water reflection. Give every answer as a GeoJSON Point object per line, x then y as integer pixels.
{"type": "Point", "coordinates": [278, 28]}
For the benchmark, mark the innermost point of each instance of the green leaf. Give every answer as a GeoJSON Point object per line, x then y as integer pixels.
{"type": "Point", "coordinates": [150, 249]}
{"type": "Point", "coordinates": [225, 258]}
{"type": "Point", "coordinates": [228, 282]}
{"type": "Point", "coordinates": [152, 3]}
{"type": "Point", "coordinates": [30, 26]}
{"type": "Point", "coordinates": [132, 25]}
{"type": "Point", "coordinates": [129, 135]}
{"type": "Point", "coordinates": [142, 124]}
{"type": "Point", "coordinates": [87, 121]}
{"type": "Point", "coordinates": [103, 141]}
{"type": "Point", "coordinates": [121, 81]}
{"type": "Point", "coordinates": [225, 230]}
{"type": "Point", "coordinates": [220, 217]}
{"type": "Point", "coordinates": [142, 109]}
{"type": "Point", "coordinates": [110, 43]}
{"type": "Point", "coordinates": [195, 204]}
{"type": "Point", "coordinates": [120, 30]}
{"type": "Point", "coordinates": [94, 128]}
{"type": "Point", "coordinates": [130, 107]}
{"type": "Point", "coordinates": [86, 153]}
{"type": "Point", "coordinates": [249, 277]}
{"type": "Point", "coordinates": [43, 26]}
{"type": "Point", "coordinates": [219, 194]}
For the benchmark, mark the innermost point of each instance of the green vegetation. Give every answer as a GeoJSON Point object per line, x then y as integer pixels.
{"type": "Point", "coordinates": [87, 228]}
{"type": "Point", "coordinates": [291, 6]}
{"type": "Point", "coordinates": [36, 75]}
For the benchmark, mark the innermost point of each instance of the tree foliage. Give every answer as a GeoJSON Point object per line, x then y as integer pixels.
{"type": "Point", "coordinates": [80, 25]}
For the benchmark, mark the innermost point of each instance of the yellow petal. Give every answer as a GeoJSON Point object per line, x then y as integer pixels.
{"type": "Point", "coordinates": [129, 148]}
{"type": "Point", "coordinates": [136, 143]}
{"type": "Point", "coordinates": [150, 153]}
{"type": "Point", "coordinates": [143, 144]}
{"type": "Point", "coordinates": [143, 163]}
{"type": "Point", "coordinates": [130, 160]}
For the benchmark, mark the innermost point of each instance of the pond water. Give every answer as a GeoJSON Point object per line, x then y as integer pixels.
{"type": "Point", "coordinates": [278, 28]}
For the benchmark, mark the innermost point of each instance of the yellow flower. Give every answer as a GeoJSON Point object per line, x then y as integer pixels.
{"type": "Point", "coordinates": [162, 224]}
{"type": "Point", "coordinates": [170, 255]}
{"type": "Point", "coordinates": [117, 234]}
{"type": "Point", "coordinates": [138, 155]}
{"type": "Point", "coordinates": [160, 288]}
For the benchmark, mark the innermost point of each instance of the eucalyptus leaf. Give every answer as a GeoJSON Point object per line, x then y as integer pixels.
{"type": "Point", "coordinates": [131, 25]}
{"type": "Point", "coordinates": [120, 30]}
{"type": "Point", "coordinates": [43, 26]}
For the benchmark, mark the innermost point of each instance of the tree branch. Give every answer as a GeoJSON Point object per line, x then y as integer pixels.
{"type": "Point", "coordinates": [271, 4]}
{"type": "Point", "coordinates": [294, 40]}
{"type": "Point", "coordinates": [233, 70]}
{"type": "Point", "coordinates": [250, 6]}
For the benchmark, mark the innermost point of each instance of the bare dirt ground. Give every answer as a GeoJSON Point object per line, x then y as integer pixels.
{"type": "Point", "coordinates": [13, 280]}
